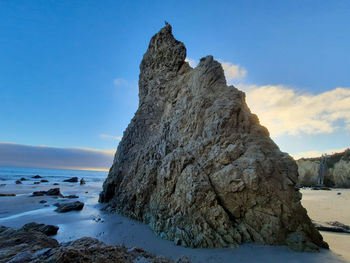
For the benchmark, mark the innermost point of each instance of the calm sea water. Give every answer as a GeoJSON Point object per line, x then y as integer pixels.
{"type": "Point", "coordinates": [9, 173]}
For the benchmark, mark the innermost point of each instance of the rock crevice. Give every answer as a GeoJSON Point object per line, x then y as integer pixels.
{"type": "Point", "coordinates": [196, 165]}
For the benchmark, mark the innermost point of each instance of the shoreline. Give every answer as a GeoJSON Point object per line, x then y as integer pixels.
{"type": "Point", "coordinates": [115, 229]}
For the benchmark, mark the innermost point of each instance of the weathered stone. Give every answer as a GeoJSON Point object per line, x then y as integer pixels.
{"type": "Point", "coordinates": [18, 182]}
{"type": "Point", "coordinates": [196, 165]}
{"type": "Point", "coordinates": [28, 245]}
{"type": "Point", "coordinates": [73, 206]}
{"type": "Point", "coordinates": [71, 196]}
{"type": "Point", "coordinates": [22, 242]}
{"type": "Point", "coordinates": [333, 226]}
{"type": "Point", "coordinates": [36, 176]}
{"type": "Point", "coordinates": [71, 180]}
{"type": "Point", "coordinates": [48, 230]}
{"type": "Point", "coordinates": [51, 192]}
{"type": "Point", "coordinates": [7, 194]}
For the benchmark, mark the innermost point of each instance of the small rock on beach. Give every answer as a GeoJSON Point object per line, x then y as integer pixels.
{"type": "Point", "coordinates": [73, 206]}
{"type": "Point", "coordinates": [71, 180]}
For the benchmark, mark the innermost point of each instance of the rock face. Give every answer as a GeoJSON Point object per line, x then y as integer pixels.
{"type": "Point", "coordinates": [196, 165]}
{"type": "Point", "coordinates": [337, 174]}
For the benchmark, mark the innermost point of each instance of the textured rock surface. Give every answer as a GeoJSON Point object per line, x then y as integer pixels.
{"type": "Point", "coordinates": [196, 165]}
{"type": "Point", "coordinates": [28, 245]}
{"type": "Point", "coordinates": [67, 207]}
{"type": "Point", "coordinates": [337, 175]}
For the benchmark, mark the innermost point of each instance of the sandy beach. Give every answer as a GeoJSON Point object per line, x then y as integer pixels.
{"type": "Point", "coordinates": [115, 229]}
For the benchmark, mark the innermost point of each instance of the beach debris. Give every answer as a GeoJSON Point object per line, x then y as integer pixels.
{"type": "Point", "coordinates": [196, 165]}
{"type": "Point", "coordinates": [71, 196]}
{"type": "Point", "coordinates": [36, 176]}
{"type": "Point", "coordinates": [44, 181]}
{"type": "Point", "coordinates": [7, 194]}
{"type": "Point", "coordinates": [43, 201]}
{"type": "Point", "coordinates": [82, 181]}
{"type": "Point", "coordinates": [18, 182]}
{"type": "Point", "coordinates": [36, 182]}
{"type": "Point", "coordinates": [23, 179]}
{"type": "Point", "coordinates": [333, 226]}
{"type": "Point", "coordinates": [66, 207]}
{"type": "Point", "coordinates": [71, 180]}
{"type": "Point", "coordinates": [51, 192]}
{"type": "Point", "coordinates": [48, 230]}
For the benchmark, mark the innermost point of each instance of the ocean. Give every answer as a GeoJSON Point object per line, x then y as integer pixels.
{"type": "Point", "coordinates": [9, 174]}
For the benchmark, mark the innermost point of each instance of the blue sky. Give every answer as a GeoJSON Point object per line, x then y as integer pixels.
{"type": "Point", "coordinates": [69, 69]}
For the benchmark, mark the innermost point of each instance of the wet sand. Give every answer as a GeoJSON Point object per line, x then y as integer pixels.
{"type": "Point", "coordinates": [115, 229]}
{"type": "Point", "coordinates": [326, 206]}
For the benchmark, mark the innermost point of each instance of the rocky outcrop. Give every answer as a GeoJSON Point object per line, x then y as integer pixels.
{"type": "Point", "coordinates": [196, 165]}
{"type": "Point", "coordinates": [337, 174]}
{"type": "Point", "coordinates": [29, 245]}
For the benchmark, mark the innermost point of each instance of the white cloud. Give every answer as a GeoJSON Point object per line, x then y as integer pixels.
{"type": "Point", "coordinates": [312, 154]}
{"type": "Point", "coordinates": [192, 62]}
{"type": "Point", "coordinates": [120, 81]}
{"type": "Point", "coordinates": [233, 72]}
{"type": "Point", "coordinates": [110, 137]}
{"type": "Point", "coordinates": [284, 110]}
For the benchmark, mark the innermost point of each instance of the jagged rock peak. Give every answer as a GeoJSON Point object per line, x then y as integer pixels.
{"type": "Point", "coordinates": [196, 165]}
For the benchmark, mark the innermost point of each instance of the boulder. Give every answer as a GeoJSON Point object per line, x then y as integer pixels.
{"type": "Point", "coordinates": [48, 230]}
{"type": "Point", "coordinates": [23, 179]}
{"type": "Point", "coordinates": [51, 192]}
{"type": "Point", "coordinates": [18, 182]}
{"type": "Point", "coordinates": [73, 206]}
{"type": "Point", "coordinates": [71, 180]}
{"type": "Point", "coordinates": [82, 181]}
{"type": "Point", "coordinates": [44, 181]}
{"type": "Point", "coordinates": [36, 176]}
{"type": "Point", "coordinates": [196, 165]}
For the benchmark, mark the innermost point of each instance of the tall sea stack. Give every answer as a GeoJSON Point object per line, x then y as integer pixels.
{"type": "Point", "coordinates": [196, 165]}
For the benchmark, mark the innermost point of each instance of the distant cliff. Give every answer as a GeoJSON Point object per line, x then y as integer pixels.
{"type": "Point", "coordinates": [337, 174]}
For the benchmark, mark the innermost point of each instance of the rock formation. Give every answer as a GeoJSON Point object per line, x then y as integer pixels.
{"type": "Point", "coordinates": [337, 173]}
{"type": "Point", "coordinates": [196, 165]}
{"type": "Point", "coordinates": [30, 244]}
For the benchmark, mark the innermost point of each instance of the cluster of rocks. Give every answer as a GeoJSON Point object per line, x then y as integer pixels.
{"type": "Point", "coordinates": [70, 180]}
{"type": "Point", "coordinates": [32, 244]}
{"type": "Point", "coordinates": [196, 165]}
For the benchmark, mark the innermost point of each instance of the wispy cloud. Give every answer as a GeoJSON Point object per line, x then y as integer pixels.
{"type": "Point", "coordinates": [284, 110]}
{"type": "Point", "coordinates": [111, 137]}
{"type": "Point", "coordinates": [233, 72]}
{"type": "Point", "coordinates": [312, 154]}
{"type": "Point", "coordinates": [12, 154]}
